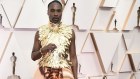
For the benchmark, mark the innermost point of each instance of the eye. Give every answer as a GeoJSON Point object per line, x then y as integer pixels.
{"type": "Point", "coordinates": [52, 10]}
{"type": "Point", "coordinates": [59, 10]}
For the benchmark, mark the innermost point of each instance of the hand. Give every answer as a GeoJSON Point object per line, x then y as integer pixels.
{"type": "Point", "coordinates": [49, 48]}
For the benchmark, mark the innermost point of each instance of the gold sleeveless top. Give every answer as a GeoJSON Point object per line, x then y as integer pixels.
{"type": "Point", "coordinates": [60, 36]}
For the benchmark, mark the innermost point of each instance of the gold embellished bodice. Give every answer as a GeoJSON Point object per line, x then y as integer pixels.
{"type": "Point", "coordinates": [60, 36]}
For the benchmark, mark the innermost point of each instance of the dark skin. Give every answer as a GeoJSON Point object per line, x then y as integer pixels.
{"type": "Point", "coordinates": [55, 13]}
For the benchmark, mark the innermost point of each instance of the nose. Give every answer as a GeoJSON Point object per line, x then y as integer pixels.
{"type": "Point", "coordinates": [55, 13]}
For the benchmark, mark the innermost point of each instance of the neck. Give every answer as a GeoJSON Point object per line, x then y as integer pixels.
{"type": "Point", "coordinates": [55, 24]}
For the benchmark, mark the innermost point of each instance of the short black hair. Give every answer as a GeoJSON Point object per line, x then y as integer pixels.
{"type": "Point", "coordinates": [13, 53]}
{"type": "Point", "coordinates": [54, 1]}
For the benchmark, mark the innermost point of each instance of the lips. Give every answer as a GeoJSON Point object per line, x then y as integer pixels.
{"type": "Point", "coordinates": [55, 19]}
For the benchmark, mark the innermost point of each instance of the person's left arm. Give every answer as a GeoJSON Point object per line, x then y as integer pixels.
{"type": "Point", "coordinates": [73, 56]}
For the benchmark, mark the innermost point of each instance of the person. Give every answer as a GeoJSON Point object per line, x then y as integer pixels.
{"type": "Point", "coordinates": [54, 47]}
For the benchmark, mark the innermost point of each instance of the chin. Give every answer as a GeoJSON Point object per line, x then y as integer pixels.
{"type": "Point", "coordinates": [56, 22]}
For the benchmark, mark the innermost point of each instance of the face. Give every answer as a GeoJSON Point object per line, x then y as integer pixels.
{"type": "Point", "coordinates": [55, 12]}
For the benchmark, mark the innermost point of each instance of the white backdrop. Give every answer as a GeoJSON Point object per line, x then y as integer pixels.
{"type": "Point", "coordinates": [96, 47]}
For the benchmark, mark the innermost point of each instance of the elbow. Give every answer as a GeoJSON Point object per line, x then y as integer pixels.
{"type": "Point", "coordinates": [33, 58]}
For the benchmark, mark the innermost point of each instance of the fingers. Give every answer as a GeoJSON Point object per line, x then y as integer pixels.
{"type": "Point", "coordinates": [51, 47]}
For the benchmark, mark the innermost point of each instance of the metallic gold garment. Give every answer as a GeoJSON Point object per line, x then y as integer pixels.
{"type": "Point", "coordinates": [60, 36]}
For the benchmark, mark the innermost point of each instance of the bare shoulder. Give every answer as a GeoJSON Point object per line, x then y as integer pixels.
{"type": "Point", "coordinates": [37, 34]}
{"type": "Point", "coordinates": [73, 35]}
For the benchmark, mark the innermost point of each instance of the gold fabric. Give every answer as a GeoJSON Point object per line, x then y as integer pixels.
{"type": "Point", "coordinates": [59, 35]}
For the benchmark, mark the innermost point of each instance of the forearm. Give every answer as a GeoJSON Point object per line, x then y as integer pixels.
{"type": "Point", "coordinates": [36, 55]}
{"type": "Point", "coordinates": [74, 68]}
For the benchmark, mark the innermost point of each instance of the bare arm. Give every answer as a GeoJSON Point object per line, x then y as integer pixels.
{"type": "Point", "coordinates": [36, 54]}
{"type": "Point", "coordinates": [37, 50]}
{"type": "Point", "coordinates": [73, 56]}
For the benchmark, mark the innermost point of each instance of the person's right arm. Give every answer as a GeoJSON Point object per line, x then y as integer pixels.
{"type": "Point", "coordinates": [36, 54]}
{"type": "Point", "coordinates": [37, 50]}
